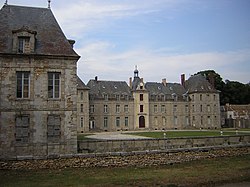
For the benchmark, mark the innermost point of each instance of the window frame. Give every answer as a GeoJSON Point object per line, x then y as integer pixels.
{"type": "Point", "coordinates": [54, 89]}
{"type": "Point", "coordinates": [21, 90]}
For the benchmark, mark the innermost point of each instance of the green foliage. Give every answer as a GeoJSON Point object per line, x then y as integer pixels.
{"type": "Point", "coordinates": [232, 92]}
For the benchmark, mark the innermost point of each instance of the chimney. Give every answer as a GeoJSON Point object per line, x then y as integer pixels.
{"type": "Point", "coordinates": [96, 78]}
{"type": "Point", "coordinates": [164, 82]}
{"type": "Point", "coordinates": [72, 42]}
{"type": "Point", "coordinates": [130, 82]}
{"type": "Point", "coordinates": [211, 79]}
{"type": "Point", "coordinates": [183, 79]}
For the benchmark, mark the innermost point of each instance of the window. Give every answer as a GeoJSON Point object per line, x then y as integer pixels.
{"type": "Point", "coordinates": [141, 97]}
{"type": "Point", "coordinates": [187, 121]}
{"type": "Point", "coordinates": [22, 129]}
{"type": "Point", "coordinates": [155, 108]}
{"type": "Point", "coordinates": [117, 108]}
{"type": "Point", "coordinates": [186, 108]}
{"type": "Point", "coordinates": [201, 108]}
{"type": "Point", "coordinates": [117, 121]}
{"type": "Point", "coordinates": [200, 97]}
{"type": "Point", "coordinates": [175, 108]}
{"type": "Point", "coordinates": [23, 84]}
{"type": "Point", "coordinates": [126, 97]}
{"type": "Point", "coordinates": [92, 108]}
{"type": "Point", "coordinates": [141, 108]}
{"type": "Point", "coordinates": [126, 108]}
{"type": "Point", "coordinates": [53, 85]}
{"type": "Point", "coordinates": [214, 97]}
{"type": "Point", "coordinates": [208, 108]}
{"type": "Point", "coordinates": [54, 128]}
{"type": "Point", "coordinates": [163, 108]}
{"type": "Point", "coordinates": [81, 109]}
{"type": "Point", "coordinates": [23, 44]}
{"type": "Point", "coordinates": [175, 120]}
{"type": "Point", "coordinates": [105, 109]}
{"type": "Point", "coordinates": [105, 122]}
{"type": "Point", "coordinates": [193, 108]}
{"type": "Point", "coordinates": [81, 95]}
{"type": "Point", "coordinates": [126, 121]}
{"type": "Point", "coordinates": [106, 97]}
{"type": "Point", "coordinates": [193, 97]}
{"type": "Point", "coordinates": [208, 120]}
{"type": "Point", "coordinates": [118, 97]}
{"type": "Point", "coordinates": [81, 123]}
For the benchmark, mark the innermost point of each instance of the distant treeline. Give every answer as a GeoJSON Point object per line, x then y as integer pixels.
{"type": "Point", "coordinates": [232, 92]}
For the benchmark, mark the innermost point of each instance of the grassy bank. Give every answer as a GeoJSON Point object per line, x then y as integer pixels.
{"type": "Point", "coordinates": [195, 173]}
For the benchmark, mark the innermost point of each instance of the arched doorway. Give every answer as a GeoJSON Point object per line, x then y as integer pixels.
{"type": "Point", "coordinates": [141, 122]}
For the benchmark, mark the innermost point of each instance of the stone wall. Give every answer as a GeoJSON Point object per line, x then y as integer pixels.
{"type": "Point", "coordinates": [158, 145]}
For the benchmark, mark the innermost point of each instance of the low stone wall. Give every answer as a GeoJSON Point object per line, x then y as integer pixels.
{"type": "Point", "coordinates": [128, 146]}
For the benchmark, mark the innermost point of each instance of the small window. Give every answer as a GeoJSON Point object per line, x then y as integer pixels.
{"type": "Point", "coordinates": [92, 108]}
{"type": "Point", "coordinates": [106, 97]}
{"type": "Point", "coordinates": [163, 108]}
{"type": "Point", "coordinates": [141, 108]}
{"type": "Point", "coordinates": [117, 108]}
{"type": "Point", "coordinates": [155, 108]}
{"type": "Point", "coordinates": [23, 84]}
{"type": "Point", "coordinates": [117, 122]}
{"type": "Point", "coordinates": [23, 44]}
{"type": "Point", "coordinates": [53, 85]}
{"type": "Point", "coordinates": [126, 108]}
{"type": "Point", "coordinates": [141, 97]}
{"type": "Point", "coordinates": [200, 97]}
{"type": "Point", "coordinates": [186, 108]}
{"type": "Point", "coordinates": [54, 128]}
{"type": "Point", "coordinates": [81, 108]}
{"type": "Point", "coordinates": [208, 108]}
{"type": "Point", "coordinates": [201, 108]}
{"type": "Point", "coordinates": [118, 97]}
{"type": "Point", "coordinates": [105, 109]}
{"type": "Point", "coordinates": [81, 123]}
{"type": "Point", "coordinates": [126, 121]}
{"type": "Point", "coordinates": [22, 129]}
{"type": "Point", "coordinates": [175, 108]}
{"type": "Point", "coordinates": [81, 95]}
{"type": "Point", "coordinates": [105, 122]}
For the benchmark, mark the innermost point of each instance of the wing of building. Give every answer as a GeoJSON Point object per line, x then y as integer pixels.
{"type": "Point", "coordinates": [115, 106]}
{"type": "Point", "coordinates": [38, 85]}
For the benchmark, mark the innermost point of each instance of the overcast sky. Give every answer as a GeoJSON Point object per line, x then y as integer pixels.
{"type": "Point", "coordinates": [164, 38]}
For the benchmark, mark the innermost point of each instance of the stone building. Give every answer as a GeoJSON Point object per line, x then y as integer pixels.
{"type": "Point", "coordinates": [82, 107]}
{"type": "Point", "coordinates": [193, 103]}
{"type": "Point", "coordinates": [38, 85]}
{"type": "Point", "coordinates": [235, 116]}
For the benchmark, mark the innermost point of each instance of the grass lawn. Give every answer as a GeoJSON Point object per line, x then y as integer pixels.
{"type": "Point", "coordinates": [195, 173]}
{"type": "Point", "coordinates": [83, 136]}
{"type": "Point", "coordinates": [175, 134]}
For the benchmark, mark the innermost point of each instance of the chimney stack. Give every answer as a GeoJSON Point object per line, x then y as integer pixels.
{"type": "Point", "coordinates": [130, 82]}
{"type": "Point", "coordinates": [164, 82]}
{"type": "Point", "coordinates": [96, 78]}
{"type": "Point", "coordinates": [183, 79]}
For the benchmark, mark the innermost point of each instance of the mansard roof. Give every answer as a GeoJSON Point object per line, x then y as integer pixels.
{"type": "Point", "coordinates": [50, 39]}
{"type": "Point", "coordinates": [100, 87]}
{"type": "Point", "coordinates": [81, 85]}
{"type": "Point", "coordinates": [155, 88]}
{"type": "Point", "coordinates": [199, 84]}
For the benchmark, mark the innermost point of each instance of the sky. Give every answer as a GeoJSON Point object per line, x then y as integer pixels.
{"type": "Point", "coordinates": [163, 38]}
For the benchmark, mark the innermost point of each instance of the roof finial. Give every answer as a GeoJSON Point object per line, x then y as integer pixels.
{"type": "Point", "coordinates": [49, 1]}
{"type": "Point", "coordinates": [6, 2]}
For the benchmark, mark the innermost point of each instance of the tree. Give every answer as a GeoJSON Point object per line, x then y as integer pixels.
{"type": "Point", "coordinates": [232, 92]}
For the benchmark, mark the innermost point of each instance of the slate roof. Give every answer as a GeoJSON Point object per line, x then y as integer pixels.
{"type": "Point", "coordinates": [81, 85]}
{"type": "Point", "coordinates": [100, 87]}
{"type": "Point", "coordinates": [50, 39]}
{"type": "Point", "coordinates": [198, 83]}
{"type": "Point", "coordinates": [155, 88]}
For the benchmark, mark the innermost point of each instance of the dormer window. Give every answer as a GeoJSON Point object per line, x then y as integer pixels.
{"type": "Point", "coordinates": [23, 44]}
{"type": "Point", "coordinates": [23, 40]}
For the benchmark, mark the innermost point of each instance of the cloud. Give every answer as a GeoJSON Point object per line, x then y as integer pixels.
{"type": "Point", "coordinates": [100, 60]}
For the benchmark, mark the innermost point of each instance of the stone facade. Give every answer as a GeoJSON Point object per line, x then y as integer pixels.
{"type": "Point", "coordinates": [38, 85]}
{"type": "Point", "coordinates": [154, 106]}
